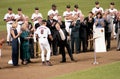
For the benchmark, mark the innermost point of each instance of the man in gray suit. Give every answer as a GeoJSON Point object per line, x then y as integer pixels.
{"type": "Point", "coordinates": [118, 31]}
{"type": "Point", "coordinates": [108, 28]}
{"type": "Point", "coordinates": [75, 25]}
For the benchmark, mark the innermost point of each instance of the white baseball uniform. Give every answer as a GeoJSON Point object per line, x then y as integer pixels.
{"type": "Point", "coordinates": [43, 33]}
{"type": "Point", "coordinates": [67, 21]}
{"type": "Point", "coordinates": [17, 16]}
{"type": "Point", "coordinates": [55, 13]}
{"type": "Point", "coordinates": [112, 10]}
{"type": "Point", "coordinates": [35, 15]}
{"type": "Point", "coordinates": [9, 24]}
{"type": "Point", "coordinates": [78, 12]}
{"type": "Point", "coordinates": [95, 10]}
{"type": "Point", "coordinates": [113, 16]}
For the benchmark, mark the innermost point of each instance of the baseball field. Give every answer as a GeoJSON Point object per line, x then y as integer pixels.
{"type": "Point", "coordinates": [109, 62]}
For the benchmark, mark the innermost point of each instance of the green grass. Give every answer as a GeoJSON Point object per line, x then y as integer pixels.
{"type": "Point", "coordinates": [111, 71]}
{"type": "Point", "coordinates": [44, 5]}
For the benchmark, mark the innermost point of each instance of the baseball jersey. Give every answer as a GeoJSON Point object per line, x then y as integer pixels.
{"type": "Point", "coordinates": [95, 10]}
{"type": "Point", "coordinates": [34, 15]}
{"type": "Point", "coordinates": [112, 10]}
{"type": "Point", "coordinates": [53, 12]}
{"type": "Point", "coordinates": [77, 12]}
{"type": "Point", "coordinates": [66, 13]}
{"type": "Point", "coordinates": [43, 32]}
{"type": "Point", "coordinates": [7, 15]}
{"type": "Point", "coordinates": [17, 16]}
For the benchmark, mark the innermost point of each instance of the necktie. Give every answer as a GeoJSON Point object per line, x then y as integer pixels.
{"type": "Point", "coordinates": [62, 34]}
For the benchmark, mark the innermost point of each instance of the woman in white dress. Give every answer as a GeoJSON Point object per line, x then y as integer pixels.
{"type": "Point", "coordinates": [99, 33]}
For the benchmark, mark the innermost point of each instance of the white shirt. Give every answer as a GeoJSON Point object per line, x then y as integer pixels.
{"type": "Point", "coordinates": [112, 10]}
{"type": "Point", "coordinates": [7, 15]}
{"type": "Point", "coordinates": [66, 13]}
{"type": "Point", "coordinates": [95, 10]}
{"type": "Point", "coordinates": [55, 13]}
{"type": "Point", "coordinates": [34, 15]}
{"type": "Point", "coordinates": [43, 32]}
{"type": "Point", "coordinates": [76, 12]}
{"type": "Point", "coordinates": [17, 16]}
{"type": "Point", "coordinates": [62, 35]}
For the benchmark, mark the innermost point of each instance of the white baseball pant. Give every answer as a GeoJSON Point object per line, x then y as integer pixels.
{"type": "Point", "coordinates": [44, 45]}
{"type": "Point", "coordinates": [9, 26]}
{"type": "Point", "coordinates": [67, 25]}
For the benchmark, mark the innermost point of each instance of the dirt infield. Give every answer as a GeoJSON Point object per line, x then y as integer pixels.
{"type": "Point", "coordinates": [35, 70]}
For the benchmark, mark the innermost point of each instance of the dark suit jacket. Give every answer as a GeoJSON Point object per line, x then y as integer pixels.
{"type": "Point", "coordinates": [49, 25]}
{"type": "Point", "coordinates": [89, 25]}
{"type": "Point", "coordinates": [60, 41]}
{"type": "Point", "coordinates": [75, 29]}
{"type": "Point", "coordinates": [83, 30]}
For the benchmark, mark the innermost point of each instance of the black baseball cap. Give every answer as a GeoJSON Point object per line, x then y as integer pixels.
{"type": "Point", "coordinates": [76, 6]}
{"type": "Point", "coordinates": [112, 3]}
{"type": "Point", "coordinates": [96, 2]}
{"type": "Point", "coordinates": [10, 9]}
{"type": "Point", "coordinates": [19, 9]}
{"type": "Point", "coordinates": [53, 5]}
{"type": "Point", "coordinates": [44, 20]}
{"type": "Point", "coordinates": [36, 8]}
{"type": "Point", "coordinates": [68, 6]}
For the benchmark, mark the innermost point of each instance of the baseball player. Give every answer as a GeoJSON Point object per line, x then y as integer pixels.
{"type": "Point", "coordinates": [77, 12]}
{"type": "Point", "coordinates": [35, 16]}
{"type": "Point", "coordinates": [68, 17]}
{"type": "Point", "coordinates": [112, 9]}
{"type": "Point", "coordinates": [34, 19]}
{"type": "Point", "coordinates": [9, 18]}
{"type": "Point", "coordinates": [20, 19]}
{"type": "Point", "coordinates": [53, 11]}
{"type": "Point", "coordinates": [113, 12]}
{"type": "Point", "coordinates": [97, 8]}
{"type": "Point", "coordinates": [43, 33]}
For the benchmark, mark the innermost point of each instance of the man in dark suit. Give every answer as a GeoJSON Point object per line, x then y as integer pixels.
{"type": "Point", "coordinates": [51, 25]}
{"type": "Point", "coordinates": [75, 25]}
{"type": "Point", "coordinates": [83, 35]}
{"type": "Point", "coordinates": [90, 21]}
{"type": "Point", "coordinates": [61, 35]}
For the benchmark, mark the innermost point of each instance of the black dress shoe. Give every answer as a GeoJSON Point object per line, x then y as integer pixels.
{"type": "Point", "coordinates": [74, 60]}
{"type": "Point", "coordinates": [16, 65]}
{"type": "Point", "coordinates": [118, 49]}
{"type": "Point", "coordinates": [62, 61]}
{"type": "Point", "coordinates": [29, 61]}
{"type": "Point", "coordinates": [43, 63]}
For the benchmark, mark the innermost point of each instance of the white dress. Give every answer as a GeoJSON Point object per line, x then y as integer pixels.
{"type": "Point", "coordinates": [99, 39]}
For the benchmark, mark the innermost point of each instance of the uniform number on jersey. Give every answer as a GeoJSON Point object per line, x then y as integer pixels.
{"type": "Point", "coordinates": [42, 31]}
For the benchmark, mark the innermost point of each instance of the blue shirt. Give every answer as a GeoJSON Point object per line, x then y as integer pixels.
{"type": "Point", "coordinates": [100, 21]}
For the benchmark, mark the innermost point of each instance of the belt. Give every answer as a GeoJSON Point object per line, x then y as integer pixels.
{"type": "Point", "coordinates": [10, 23]}
{"type": "Point", "coordinates": [68, 21]}
{"type": "Point", "coordinates": [21, 24]}
{"type": "Point", "coordinates": [42, 37]}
